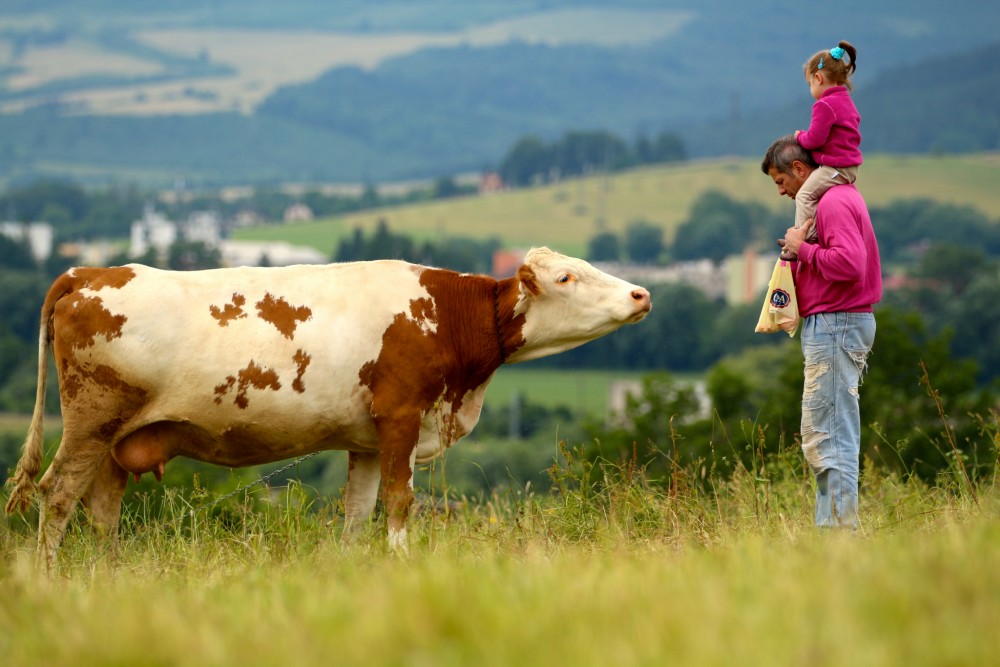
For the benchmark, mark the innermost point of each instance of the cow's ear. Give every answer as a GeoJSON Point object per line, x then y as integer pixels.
{"type": "Point", "coordinates": [528, 281]}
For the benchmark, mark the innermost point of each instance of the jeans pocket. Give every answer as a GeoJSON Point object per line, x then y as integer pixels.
{"type": "Point", "coordinates": [858, 338]}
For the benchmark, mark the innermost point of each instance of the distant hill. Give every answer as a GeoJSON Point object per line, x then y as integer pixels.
{"type": "Point", "coordinates": [725, 75]}
{"type": "Point", "coordinates": [567, 214]}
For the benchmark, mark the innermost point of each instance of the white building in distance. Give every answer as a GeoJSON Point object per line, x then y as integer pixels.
{"type": "Point", "coordinates": [38, 235]}
{"type": "Point", "coordinates": [272, 253]}
{"type": "Point", "coordinates": [155, 231]}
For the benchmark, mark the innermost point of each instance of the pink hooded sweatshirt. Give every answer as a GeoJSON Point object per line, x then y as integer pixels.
{"type": "Point", "coordinates": [841, 271]}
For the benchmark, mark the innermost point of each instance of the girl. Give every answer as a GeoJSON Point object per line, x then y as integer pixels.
{"type": "Point", "coordinates": [833, 135]}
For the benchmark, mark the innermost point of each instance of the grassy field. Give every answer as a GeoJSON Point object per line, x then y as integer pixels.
{"type": "Point", "coordinates": [617, 573]}
{"type": "Point", "coordinates": [582, 390]}
{"type": "Point", "coordinates": [566, 215]}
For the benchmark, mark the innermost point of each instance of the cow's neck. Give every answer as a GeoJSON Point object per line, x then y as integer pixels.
{"type": "Point", "coordinates": [496, 316]}
{"type": "Point", "coordinates": [508, 324]}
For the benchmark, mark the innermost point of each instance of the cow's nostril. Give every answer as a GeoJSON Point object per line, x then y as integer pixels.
{"type": "Point", "coordinates": [640, 295]}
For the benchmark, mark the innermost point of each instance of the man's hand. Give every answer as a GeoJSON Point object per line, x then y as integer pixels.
{"type": "Point", "coordinates": [795, 236]}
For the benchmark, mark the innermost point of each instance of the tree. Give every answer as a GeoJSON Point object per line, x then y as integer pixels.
{"type": "Point", "coordinates": [910, 434]}
{"type": "Point", "coordinates": [669, 148]}
{"type": "Point", "coordinates": [27, 203]}
{"type": "Point", "coordinates": [350, 249]}
{"type": "Point", "coordinates": [604, 247]}
{"type": "Point", "coordinates": [191, 256]}
{"type": "Point", "coordinates": [386, 245]}
{"type": "Point", "coordinates": [15, 254]}
{"type": "Point", "coordinates": [952, 267]}
{"type": "Point", "coordinates": [582, 152]}
{"type": "Point", "coordinates": [905, 228]}
{"type": "Point", "coordinates": [976, 322]}
{"type": "Point", "coordinates": [528, 159]}
{"type": "Point", "coordinates": [446, 187]}
{"type": "Point", "coordinates": [643, 242]}
{"type": "Point", "coordinates": [719, 226]}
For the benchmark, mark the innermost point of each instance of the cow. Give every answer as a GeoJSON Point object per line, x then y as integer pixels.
{"type": "Point", "coordinates": [243, 366]}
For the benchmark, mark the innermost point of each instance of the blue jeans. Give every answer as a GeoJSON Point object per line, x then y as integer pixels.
{"type": "Point", "coordinates": [835, 347]}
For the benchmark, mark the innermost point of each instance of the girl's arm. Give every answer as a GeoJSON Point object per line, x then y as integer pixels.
{"type": "Point", "coordinates": [819, 127]}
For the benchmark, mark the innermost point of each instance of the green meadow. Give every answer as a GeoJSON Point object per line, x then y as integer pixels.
{"type": "Point", "coordinates": [614, 565]}
{"type": "Point", "coordinates": [567, 214]}
{"type": "Point", "coordinates": [584, 391]}
{"type": "Point", "coordinates": [610, 569]}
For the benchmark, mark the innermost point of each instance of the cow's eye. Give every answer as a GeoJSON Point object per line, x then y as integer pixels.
{"type": "Point", "coordinates": [564, 278]}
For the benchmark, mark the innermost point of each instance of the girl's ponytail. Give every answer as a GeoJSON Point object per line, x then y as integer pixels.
{"type": "Point", "coordinates": [852, 55]}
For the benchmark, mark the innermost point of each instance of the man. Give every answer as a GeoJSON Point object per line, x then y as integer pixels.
{"type": "Point", "coordinates": [837, 279]}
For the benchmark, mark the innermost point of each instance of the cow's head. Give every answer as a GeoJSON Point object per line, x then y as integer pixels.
{"type": "Point", "coordinates": [566, 302]}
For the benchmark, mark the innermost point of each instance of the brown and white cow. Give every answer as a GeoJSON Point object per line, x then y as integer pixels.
{"type": "Point", "coordinates": [385, 359]}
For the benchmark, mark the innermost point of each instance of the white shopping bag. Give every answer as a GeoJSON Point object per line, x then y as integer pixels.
{"type": "Point", "coordinates": [780, 311]}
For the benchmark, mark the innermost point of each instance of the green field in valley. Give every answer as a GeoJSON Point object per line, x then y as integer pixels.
{"type": "Point", "coordinates": [581, 390]}
{"type": "Point", "coordinates": [566, 215]}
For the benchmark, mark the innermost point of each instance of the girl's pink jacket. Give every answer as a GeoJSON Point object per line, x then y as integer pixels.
{"type": "Point", "coordinates": [834, 136]}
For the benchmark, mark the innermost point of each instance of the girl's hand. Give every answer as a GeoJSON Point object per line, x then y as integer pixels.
{"type": "Point", "coordinates": [797, 133]}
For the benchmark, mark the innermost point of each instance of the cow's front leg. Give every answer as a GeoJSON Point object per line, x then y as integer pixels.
{"type": "Point", "coordinates": [362, 491]}
{"type": "Point", "coordinates": [398, 440]}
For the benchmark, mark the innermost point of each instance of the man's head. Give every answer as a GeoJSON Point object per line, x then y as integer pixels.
{"type": "Point", "coordinates": [788, 164]}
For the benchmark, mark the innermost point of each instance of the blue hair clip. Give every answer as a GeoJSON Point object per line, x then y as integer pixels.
{"type": "Point", "coordinates": [837, 53]}
{"type": "Point", "coordinates": [820, 66]}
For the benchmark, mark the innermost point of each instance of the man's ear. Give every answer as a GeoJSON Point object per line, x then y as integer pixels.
{"type": "Point", "coordinates": [528, 281]}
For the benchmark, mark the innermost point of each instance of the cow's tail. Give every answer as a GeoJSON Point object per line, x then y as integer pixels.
{"type": "Point", "coordinates": [23, 478]}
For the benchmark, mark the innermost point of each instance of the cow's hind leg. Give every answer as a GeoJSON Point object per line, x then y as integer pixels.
{"type": "Point", "coordinates": [73, 469]}
{"type": "Point", "coordinates": [103, 501]}
{"type": "Point", "coordinates": [363, 474]}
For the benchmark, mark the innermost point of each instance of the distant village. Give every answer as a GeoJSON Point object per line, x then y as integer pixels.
{"type": "Point", "coordinates": [736, 280]}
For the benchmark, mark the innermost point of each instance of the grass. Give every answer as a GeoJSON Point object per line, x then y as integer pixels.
{"type": "Point", "coordinates": [566, 215]}
{"type": "Point", "coordinates": [608, 570]}
{"type": "Point", "coordinates": [611, 567]}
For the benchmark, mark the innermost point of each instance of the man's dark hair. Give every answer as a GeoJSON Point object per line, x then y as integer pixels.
{"type": "Point", "coordinates": [783, 152]}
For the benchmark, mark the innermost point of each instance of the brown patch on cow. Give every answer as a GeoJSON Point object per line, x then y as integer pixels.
{"type": "Point", "coordinates": [301, 360]}
{"type": "Point", "coordinates": [108, 429]}
{"type": "Point", "coordinates": [229, 312]}
{"type": "Point", "coordinates": [83, 319]}
{"type": "Point", "coordinates": [420, 369]}
{"type": "Point", "coordinates": [108, 378]}
{"type": "Point", "coordinates": [418, 366]}
{"type": "Point", "coordinates": [422, 310]}
{"type": "Point", "coordinates": [76, 378]}
{"type": "Point", "coordinates": [222, 389]}
{"type": "Point", "coordinates": [70, 383]}
{"type": "Point", "coordinates": [284, 316]}
{"type": "Point", "coordinates": [251, 376]}
{"type": "Point", "coordinates": [97, 279]}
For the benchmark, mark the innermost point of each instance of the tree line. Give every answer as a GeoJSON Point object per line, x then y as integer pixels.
{"type": "Point", "coordinates": [532, 160]}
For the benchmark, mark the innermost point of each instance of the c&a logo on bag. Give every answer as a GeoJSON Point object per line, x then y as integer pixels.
{"type": "Point", "coordinates": [780, 298]}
